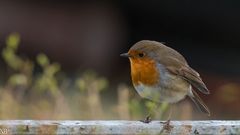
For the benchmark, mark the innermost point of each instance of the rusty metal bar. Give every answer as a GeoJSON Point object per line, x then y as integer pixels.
{"type": "Point", "coordinates": [117, 127]}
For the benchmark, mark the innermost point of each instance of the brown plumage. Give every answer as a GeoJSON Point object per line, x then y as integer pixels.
{"type": "Point", "coordinates": [158, 69]}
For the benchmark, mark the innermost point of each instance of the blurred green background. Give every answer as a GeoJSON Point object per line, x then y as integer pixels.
{"type": "Point", "coordinates": [60, 59]}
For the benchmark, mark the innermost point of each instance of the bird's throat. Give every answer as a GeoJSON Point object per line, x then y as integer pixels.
{"type": "Point", "coordinates": [144, 71]}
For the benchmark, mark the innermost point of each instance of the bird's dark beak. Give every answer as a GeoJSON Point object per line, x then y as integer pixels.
{"type": "Point", "coordinates": [125, 55]}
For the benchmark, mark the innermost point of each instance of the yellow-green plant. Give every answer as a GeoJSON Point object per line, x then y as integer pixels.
{"type": "Point", "coordinates": [47, 81]}
{"type": "Point", "coordinates": [91, 85]}
{"type": "Point", "coordinates": [21, 68]}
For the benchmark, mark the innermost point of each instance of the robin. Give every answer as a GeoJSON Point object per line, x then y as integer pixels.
{"type": "Point", "coordinates": [161, 74]}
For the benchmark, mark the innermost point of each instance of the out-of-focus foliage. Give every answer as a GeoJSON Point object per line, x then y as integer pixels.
{"type": "Point", "coordinates": [47, 80]}
{"type": "Point", "coordinates": [28, 94]}
{"type": "Point", "coordinates": [9, 53]}
{"type": "Point", "coordinates": [90, 79]}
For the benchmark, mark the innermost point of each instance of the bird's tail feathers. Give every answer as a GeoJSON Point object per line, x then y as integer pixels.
{"type": "Point", "coordinates": [199, 103]}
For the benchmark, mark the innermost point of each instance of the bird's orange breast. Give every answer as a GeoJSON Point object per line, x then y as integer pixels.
{"type": "Point", "coordinates": [144, 71]}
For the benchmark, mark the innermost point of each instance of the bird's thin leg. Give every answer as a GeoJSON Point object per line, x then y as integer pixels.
{"type": "Point", "coordinates": [167, 125]}
{"type": "Point", "coordinates": [148, 117]}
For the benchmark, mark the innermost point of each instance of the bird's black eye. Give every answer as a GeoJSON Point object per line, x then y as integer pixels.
{"type": "Point", "coordinates": [141, 55]}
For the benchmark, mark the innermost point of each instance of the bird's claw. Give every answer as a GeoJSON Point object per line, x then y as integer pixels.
{"type": "Point", "coordinates": [167, 125]}
{"type": "Point", "coordinates": [147, 120]}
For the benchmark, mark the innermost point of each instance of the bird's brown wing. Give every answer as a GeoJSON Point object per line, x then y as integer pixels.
{"type": "Point", "coordinates": [176, 64]}
{"type": "Point", "coordinates": [182, 69]}
{"type": "Point", "coordinates": [193, 78]}
{"type": "Point", "coordinates": [187, 73]}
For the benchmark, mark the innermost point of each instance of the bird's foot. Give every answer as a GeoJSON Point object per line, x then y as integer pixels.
{"type": "Point", "coordinates": [147, 119]}
{"type": "Point", "coordinates": [167, 125]}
